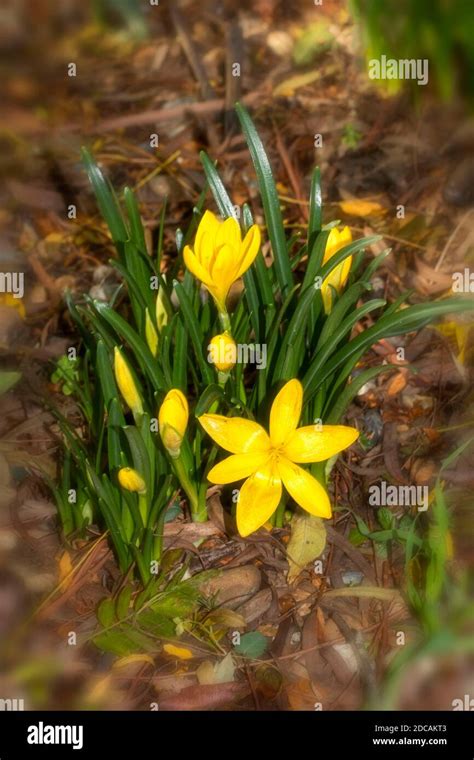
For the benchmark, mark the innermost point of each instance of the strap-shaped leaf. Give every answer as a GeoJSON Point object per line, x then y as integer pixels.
{"type": "Point", "coordinates": [271, 203]}
{"type": "Point", "coordinates": [142, 353]}
{"type": "Point", "coordinates": [106, 199]}
{"type": "Point", "coordinates": [195, 332]}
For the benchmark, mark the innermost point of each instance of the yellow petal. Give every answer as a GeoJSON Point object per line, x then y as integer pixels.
{"type": "Point", "coordinates": [223, 271]}
{"type": "Point", "coordinates": [336, 240]}
{"type": "Point", "coordinates": [258, 499]}
{"type": "Point", "coordinates": [345, 269]}
{"type": "Point", "coordinates": [235, 434]}
{"type": "Point", "coordinates": [195, 266]}
{"type": "Point", "coordinates": [304, 489]}
{"type": "Point", "coordinates": [229, 234]}
{"type": "Point", "coordinates": [326, 294]}
{"type": "Point", "coordinates": [310, 444]}
{"type": "Point", "coordinates": [249, 249]}
{"type": "Point", "coordinates": [208, 228]}
{"type": "Point", "coordinates": [237, 467]}
{"type": "Point", "coordinates": [337, 278]}
{"type": "Point", "coordinates": [285, 412]}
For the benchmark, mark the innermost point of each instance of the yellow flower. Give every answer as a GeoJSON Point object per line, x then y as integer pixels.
{"type": "Point", "coordinates": [131, 480]}
{"type": "Point", "coordinates": [150, 334]}
{"type": "Point", "coordinates": [270, 461]}
{"type": "Point", "coordinates": [222, 352]}
{"type": "Point", "coordinates": [338, 277]}
{"type": "Point", "coordinates": [126, 383]}
{"type": "Point", "coordinates": [220, 256]}
{"type": "Point", "coordinates": [173, 420]}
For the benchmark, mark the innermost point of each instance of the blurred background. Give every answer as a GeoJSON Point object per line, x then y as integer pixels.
{"type": "Point", "coordinates": [146, 87]}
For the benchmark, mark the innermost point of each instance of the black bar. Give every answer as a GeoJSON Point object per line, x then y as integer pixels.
{"type": "Point", "coordinates": [128, 735]}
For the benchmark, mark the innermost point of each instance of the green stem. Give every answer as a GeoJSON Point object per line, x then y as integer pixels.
{"type": "Point", "coordinates": [143, 506]}
{"type": "Point", "coordinates": [225, 320]}
{"type": "Point", "coordinates": [280, 513]}
{"type": "Point", "coordinates": [198, 510]}
{"type": "Point", "coordinates": [222, 378]}
{"type": "Point", "coordinates": [159, 529]}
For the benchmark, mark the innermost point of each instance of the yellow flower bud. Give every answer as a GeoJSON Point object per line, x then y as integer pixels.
{"type": "Point", "coordinates": [173, 420]}
{"type": "Point", "coordinates": [131, 480]}
{"type": "Point", "coordinates": [222, 352]}
{"type": "Point", "coordinates": [160, 311]}
{"type": "Point", "coordinates": [150, 334]}
{"type": "Point", "coordinates": [126, 383]}
{"type": "Point", "coordinates": [338, 277]}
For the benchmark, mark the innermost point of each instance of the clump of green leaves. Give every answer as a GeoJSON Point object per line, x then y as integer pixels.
{"type": "Point", "coordinates": [281, 307]}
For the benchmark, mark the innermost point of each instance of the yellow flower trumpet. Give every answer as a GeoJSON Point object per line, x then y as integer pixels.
{"type": "Point", "coordinates": [222, 352]}
{"type": "Point", "coordinates": [270, 461]}
{"type": "Point", "coordinates": [338, 277]}
{"type": "Point", "coordinates": [220, 256]}
{"type": "Point", "coordinates": [126, 383]}
{"type": "Point", "coordinates": [131, 480]}
{"type": "Point", "coordinates": [173, 420]}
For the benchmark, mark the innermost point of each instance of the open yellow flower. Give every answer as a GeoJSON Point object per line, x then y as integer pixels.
{"type": "Point", "coordinates": [270, 461]}
{"type": "Point", "coordinates": [220, 256]}
{"type": "Point", "coordinates": [338, 277]}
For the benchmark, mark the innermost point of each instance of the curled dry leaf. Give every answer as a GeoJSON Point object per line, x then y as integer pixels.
{"type": "Point", "coordinates": [307, 542]}
{"type": "Point", "coordinates": [216, 672]}
{"type": "Point", "coordinates": [355, 207]}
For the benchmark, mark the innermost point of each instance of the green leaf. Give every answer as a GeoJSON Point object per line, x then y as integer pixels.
{"type": "Point", "coordinates": [224, 203]}
{"type": "Point", "coordinates": [271, 203]}
{"type": "Point", "coordinates": [406, 320]}
{"type": "Point", "coordinates": [105, 374]}
{"type": "Point", "coordinates": [106, 199]}
{"type": "Point", "coordinates": [123, 602]}
{"type": "Point", "coordinates": [141, 461]}
{"type": "Point", "coordinates": [106, 612]}
{"type": "Point", "coordinates": [350, 392]}
{"type": "Point", "coordinates": [252, 645]}
{"type": "Point", "coordinates": [142, 353]}
{"type": "Point", "coordinates": [137, 233]}
{"type": "Point", "coordinates": [315, 207]}
{"type": "Point", "coordinates": [211, 395]}
{"type": "Point", "coordinates": [8, 380]}
{"type": "Point", "coordinates": [195, 333]}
